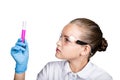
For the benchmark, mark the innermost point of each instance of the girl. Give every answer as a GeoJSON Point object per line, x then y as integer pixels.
{"type": "Point", "coordinates": [79, 41]}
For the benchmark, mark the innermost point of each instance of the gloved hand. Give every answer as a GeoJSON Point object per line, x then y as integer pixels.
{"type": "Point", "coordinates": [20, 53]}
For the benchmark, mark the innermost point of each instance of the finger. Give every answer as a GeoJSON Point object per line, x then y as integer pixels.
{"type": "Point", "coordinates": [15, 48]}
{"type": "Point", "coordinates": [19, 40]}
{"type": "Point", "coordinates": [21, 44]}
{"type": "Point", "coordinates": [18, 48]}
{"type": "Point", "coordinates": [26, 44]}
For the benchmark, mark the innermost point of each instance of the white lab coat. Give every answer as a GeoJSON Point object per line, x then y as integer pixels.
{"type": "Point", "coordinates": [60, 70]}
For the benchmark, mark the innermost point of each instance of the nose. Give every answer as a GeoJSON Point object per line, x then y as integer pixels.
{"type": "Point", "coordinates": [58, 43]}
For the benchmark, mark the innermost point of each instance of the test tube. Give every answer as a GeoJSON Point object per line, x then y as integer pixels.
{"type": "Point", "coordinates": [23, 31]}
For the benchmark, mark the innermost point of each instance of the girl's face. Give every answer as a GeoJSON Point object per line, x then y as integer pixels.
{"type": "Point", "coordinates": [66, 46]}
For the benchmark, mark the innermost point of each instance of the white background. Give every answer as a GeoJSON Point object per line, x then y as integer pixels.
{"type": "Point", "coordinates": [45, 20]}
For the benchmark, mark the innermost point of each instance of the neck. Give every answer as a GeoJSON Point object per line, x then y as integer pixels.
{"type": "Point", "coordinates": [77, 65]}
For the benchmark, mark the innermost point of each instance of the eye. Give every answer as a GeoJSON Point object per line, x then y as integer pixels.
{"type": "Point", "coordinates": [67, 40]}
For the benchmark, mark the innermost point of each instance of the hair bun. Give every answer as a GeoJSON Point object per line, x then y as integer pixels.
{"type": "Point", "coordinates": [103, 46]}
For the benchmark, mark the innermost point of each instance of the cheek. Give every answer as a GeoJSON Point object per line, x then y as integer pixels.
{"type": "Point", "coordinates": [64, 53]}
{"type": "Point", "coordinates": [70, 52]}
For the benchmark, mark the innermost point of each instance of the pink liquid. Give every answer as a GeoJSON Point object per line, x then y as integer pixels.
{"type": "Point", "coordinates": [23, 35]}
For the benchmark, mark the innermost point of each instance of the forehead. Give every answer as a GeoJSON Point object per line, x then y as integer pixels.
{"type": "Point", "coordinates": [72, 30]}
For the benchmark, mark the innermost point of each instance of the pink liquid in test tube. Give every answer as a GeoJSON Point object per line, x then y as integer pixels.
{"type": "Point", "coordinates": [23, 31]}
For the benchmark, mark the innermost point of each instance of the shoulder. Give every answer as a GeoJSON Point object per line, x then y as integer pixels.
{"type": "Point", "coordinates": [51, 69]}
{"type": "Point", "coordinates": [56, 66]}
{"type": "Point", "coordinates": [99, 73]}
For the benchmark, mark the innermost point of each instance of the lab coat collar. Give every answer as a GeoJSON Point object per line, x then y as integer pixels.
{"type": "Point", "coordinates": [84, 73]}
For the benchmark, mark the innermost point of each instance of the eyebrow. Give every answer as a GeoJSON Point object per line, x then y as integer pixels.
{"type": "Point", "coordinates": [71, 38]}
{"type": "Point", "coordinates": [66, 36]}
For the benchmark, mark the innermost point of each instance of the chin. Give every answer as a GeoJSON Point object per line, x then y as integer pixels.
{"type": "Point", "coordinates": [59, 56]}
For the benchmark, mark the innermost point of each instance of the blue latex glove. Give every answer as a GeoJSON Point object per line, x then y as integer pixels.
{"type": "Point", "coordinates": [20, 53]}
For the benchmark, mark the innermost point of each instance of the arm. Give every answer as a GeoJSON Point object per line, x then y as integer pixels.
{"type": "Point", "coordinates": [19, 76]}
{"type": "Point", "coordinates": [20, 54]}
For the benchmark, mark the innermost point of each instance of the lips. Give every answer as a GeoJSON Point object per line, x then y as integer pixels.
{"type": "Point", "coordinates": [58, 50]}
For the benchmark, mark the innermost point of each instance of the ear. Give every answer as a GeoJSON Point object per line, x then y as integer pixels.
{"type": "Point", "coordinates": [86, 50]}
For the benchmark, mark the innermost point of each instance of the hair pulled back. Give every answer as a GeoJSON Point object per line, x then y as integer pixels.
{"type": "Point", "coordinates": [92, 34]}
